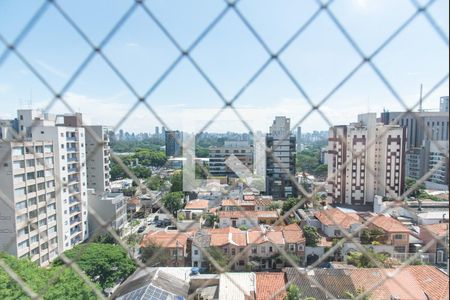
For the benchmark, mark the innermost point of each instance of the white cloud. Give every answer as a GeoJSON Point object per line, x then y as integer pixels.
{"type": "Point", "coordinates": [51, 69]}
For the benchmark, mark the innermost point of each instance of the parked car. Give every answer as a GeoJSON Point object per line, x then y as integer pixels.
{"type": "Point", "coordinates": [141, 229]}
{"type": "Point", "coordinates": [156, 218]}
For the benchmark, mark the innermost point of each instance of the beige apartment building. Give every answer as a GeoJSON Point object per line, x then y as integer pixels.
{"type": "Point", "coordinates": [365, 159]}
{"type": "Point", "coordinates": [28, 202]}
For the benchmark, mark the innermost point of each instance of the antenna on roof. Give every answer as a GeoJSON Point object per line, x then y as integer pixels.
{"type": "Point", "coordinates": [421, 98]}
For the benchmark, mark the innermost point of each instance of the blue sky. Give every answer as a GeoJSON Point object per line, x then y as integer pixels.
{"type": "Point", "coordinates": [319, 59]}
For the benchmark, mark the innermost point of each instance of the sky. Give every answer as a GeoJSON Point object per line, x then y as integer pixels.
{"type": "Point", "coordinates": [229, 55]}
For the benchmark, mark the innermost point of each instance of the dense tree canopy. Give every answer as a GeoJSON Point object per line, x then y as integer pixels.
{"type": "Point", "coordinates": [311, 235]}
{"type": "Point", "coordinates": [173, 201]}
{"type": "Point", "coordinates": [105, 264]}
{"type": "Point", "coordinates": [177, 182]}
{"type": "Point", "coordinates": [56, 282]}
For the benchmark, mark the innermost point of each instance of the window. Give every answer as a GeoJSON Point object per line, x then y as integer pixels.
{"type": "Point", "coordinates": [39, 149]}
{"type": "Point", "coordinates": [300, 247]}
{"type": "Point", "coordinates": [21, 205]}
{"type": "Point", "coordinates": [32, 201]}
{"type": "Point", "coordinates": [263, 249]}
{"type": "Point", "coordinates": [291, 247]}
{"type": "Point", "coordinates": [32, 214]}
{"type": "Point", "coordinates": [195, 264]}
{"type": "Point", "coordinates": [22, 232]}
{"type": "Point", "coordinates": [40, 174]}
{"type": "Point", "coordinates": [23, 245]}
{"type": "Point", "coordinates": [19, 178]}
{"type": "Point", "coordinates": [41, 186]}
{"type": "Point", "coordinates": [270, 249]}
{"type": "Point", "coordinates": [35, 251]}
{"type": "Point", "coordinates": [20, 191]}
{"type": "Point", "coordinates": [195, 252]}
{"type": "Point", "coordinates": [233, 251]}
{"type": "Point", "coordinates": [17, 151]}
{"type": "Point", "coordinates": [337, 233]}
{"type": "Point", "coordinates": [21, 218]}
{"type": "Point", "coordinates": [34, 239]}
{"type": "Point", "coordinates": [31, 176]}
{"type": "Point", "coordinates": [18, 165]}
{"type": "Point", "coordinates": [399, 249]}
{"type": "Point", "coordinates": [398, 236]}
{"type": "Point", "coordinates": [253, 250]}
{"type": "Point", "coordinates": [30, 163]}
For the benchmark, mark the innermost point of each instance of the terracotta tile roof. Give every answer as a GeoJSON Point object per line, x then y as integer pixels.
{"type": "Point", "coordinates": [248, 214]}
{"type": "Point", "coordinates": [432, 281]}
{"type": "Point", "coordinates": [197, 204]}
{"type": "Point", "coordinates": [336, 217]}
{"type": "Point", "coordinates": [224, 230]}
{"type": "Point", "coordinates": [292, 233]}
{"type": "Point", "coordinates": [222, 239]}
{"type": "Point", "coordinates": [436, 229]}
{"type": "Point", "coordinates": [249, 197]}
{"type": "Point", "coordinates": [263, 202]}
{"type": "Point", "coordinates": [166, 239]}
{"type": "Point", "coordinates": [389, 224]}
{"type": "Point", "coordinates": [403, 285]}
{"type": "Point", "coordinates": [259, 237]}
{"type": "Point", "coordinates": [237, 202]}
{"type": "Point", "coordinates": [270, 286]}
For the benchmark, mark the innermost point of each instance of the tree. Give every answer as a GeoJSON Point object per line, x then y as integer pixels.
{"type": "Point", "coordinates": [177, 182]}
{"type": "Point", "coordinates": [293, 292]}
{"type": "Point", "coordinates": [220, 258]}
{"type": "Point", "coordinates": [154, 183]}
{"type": "Point", "coordinates": [409, 182]}
{"type": "Point", "coordinates": [141, 171]}
{"type": "Point", "coordinates": [311, 235]}
{"type": "Point", "coordinates": [104, 238]}
{"type": "Point", "coordinates": [289, 204]}
{"type": "Point", "coordinates": [274, 206]}
{"type": "Point", "coordinates": [368, 236]}
{"type": "Point", "coordinates": [367, 259]}
{"type": "Point", "coordinates": [211, 219]}
{"type": "Point", "coordinates": [153, 255]}
{"type": "Point", "coordinates": [173, 201]}
{"type": "Point", "coordinates": [104, 264]}
{"type": "Point", "coordinates": [50, 283]}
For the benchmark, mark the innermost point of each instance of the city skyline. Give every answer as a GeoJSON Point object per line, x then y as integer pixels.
{"type": "Point", "coordinates": [229, 56]}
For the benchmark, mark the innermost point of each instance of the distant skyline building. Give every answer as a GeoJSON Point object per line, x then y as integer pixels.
{"type": "Point", "coordinates": [174, 143]}
{"type": "Point", "coordinates": [218, 155]}
{"type": "Point", "coordinates": [299, 138]}
{"type": "Point", "coordinates": [156, 131]}
{"type": "Point", "coordinates": [363, 159]}
{"type": "Point", "coordinates": [423, 131]}
{"type": "Point", "coordinates": [280, 165]}
{"type": "Point", "coordinates": [443, 104]}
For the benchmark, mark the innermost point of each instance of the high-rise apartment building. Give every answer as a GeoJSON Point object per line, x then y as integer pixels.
{"type": "Point", "coordinates": [97, 157]}
{"type": "Point", "coordinates": [365, 158]}
{"type": "Point", "coordinates": [443, 104]}
{"type": "Point", "coordinates": [299, 138]}
{"type": "Point", "coordinates": [104, 205]}
{"type": "Point", "coordinates": [242, 150]}
{"type": "Point", "coordinates": [174, 140]}
{"type": "Point", "coordinates": [423, 130]}
{"type": "Point", "coordinates": [28, 205]}
{"type": "Point", "coordinates": [280, 167]}
{"type": "Point", "coordinates": [68, 137]}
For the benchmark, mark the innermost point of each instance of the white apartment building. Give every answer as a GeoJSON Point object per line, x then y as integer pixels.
{"type": "Point", "coordinates": [97, 158]}
{"type": "Point", "coordinates": [363, 159]}
{"type": "Point", "coordinates": [68, 137]}
{"type": "Point", "coordinates": [28, 200]}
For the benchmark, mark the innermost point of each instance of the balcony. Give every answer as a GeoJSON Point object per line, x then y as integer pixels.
{"type": "Point", "coordinates": [73, 200]}
{"type": "Point", "coordinates": [72, 159]}
{"type": "Point", "coordinates": [75, 230]}
{"type": "Point", "coordinates": [73, 170]}
{"type": "Point", "coordinates": [74, 191]}
{"type": "Point", "coordinates": [74, 210]}
{"type": "Point", "coordinates": [73, 179]}
{"type": "Point", "coordinates": [72, 149]}
{"type": "Point", "coordinates": [75, 220]}
{"type": "Point", "coordinates": [72, 138]}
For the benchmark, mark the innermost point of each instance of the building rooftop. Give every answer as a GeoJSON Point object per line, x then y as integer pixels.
{"type": "Point", "coordinates": [336, 217]}
{"type": "Point", "coordinates": [248, 214]}
{"type": "Point", "coordinates": [197, 204]}
{"type": "Point", "coordinates": [237, 286]}
{"type": "Point", "coordinates": [389, 224]}
{"type": "Point", "coordinates": [270, 286]}
{"type": "Point", "coordinates": [439, 230]}
{"type": "Point", "coordinates": [166, 238]}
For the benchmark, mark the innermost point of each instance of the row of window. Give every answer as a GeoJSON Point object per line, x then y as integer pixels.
{"type": "Point", "coordinates": [31, 150]}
